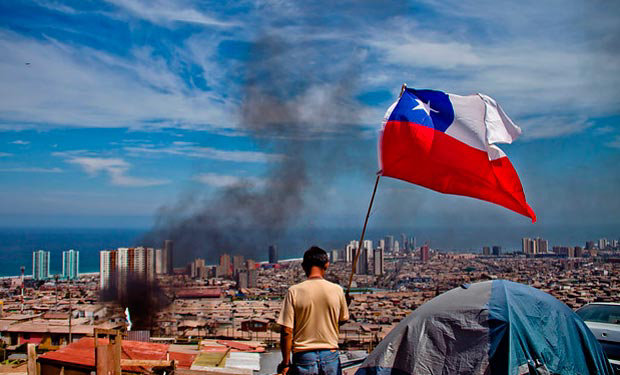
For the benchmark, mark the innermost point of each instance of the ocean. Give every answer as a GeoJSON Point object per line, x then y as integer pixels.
{"type": "Point", "coordinates": [17, 244]}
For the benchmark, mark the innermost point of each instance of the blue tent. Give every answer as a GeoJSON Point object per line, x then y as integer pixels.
{"type": "Point", "coordinates": [492, 327]}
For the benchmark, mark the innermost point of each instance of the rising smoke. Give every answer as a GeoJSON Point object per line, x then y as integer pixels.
{"type": "Point", "coordinates": [294, 104]}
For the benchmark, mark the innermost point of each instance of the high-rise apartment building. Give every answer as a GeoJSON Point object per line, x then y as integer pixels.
{"type": "Point", "coordinates": [107, 269]}
{"type": "Point", "coordinates": [378, 267]}
{"type": "Point", "coordinates": [497, 250]}
{"type": "Point", "coordinates": [389, 244]}
{"type": "Point", "coordinates": [382, 244]}
{"type": "Point", "coordinates": [527, 246]}
{"type": "Point", "coordinates": [368, 246]}
{"type": "Point", "coordinates": [362, 262]}
{"type": "Point", "coordinates": [70, 264]}
{"type": "Point", "coordinates": [273, 254]}
{"type": "Point", "coordinates": [242, 279]}
{"type": "Point", "coordinates": [225, 267]}
{"type": "Point", "coordinates": [168, 258]}
{"type": "Point", "coordinates": [542, 245]}
{"type": "Point", "coordinates": [41, 265]}
{"type": "Point", "coordinates": [486, 250]}
{"type": "Point", "coordinates": [602, 243]}
{"type": "Point", "coordinates": [250, 264]}
{"type": "Point", "coordinates": [198, 269]}
{"type": "Point", "coordinates": [238, 264]}
{"type": "Point", "coordinates": [334, 255]}
{"type": "Point", "coordinates": [151, 264]}
{"type": "Point", "coordinates": [578, 251]}
{"type": "Point", "coordinates": [125, 264]}
{"type": "Point", "coordinates": [404, 242]}
{"type": "Point", "coordinates": [425, 255]}
{"type": "Point", "coordinates": [247, 278]}
{"type": "Point", "coordinates": [350, 250]}
{"type": "Point", "coordinates": [159, 261]}
{"type": "Point", "coordinates": [252, 278]}
{"type": "Point", "coordinates": [534, 246]}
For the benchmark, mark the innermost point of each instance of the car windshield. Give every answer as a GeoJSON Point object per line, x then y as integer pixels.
{"type": "Point", "coordinates": [600, 313]}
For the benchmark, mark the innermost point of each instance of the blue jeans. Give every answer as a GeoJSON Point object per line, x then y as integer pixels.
{"type": "Point", "coordinates": [317, 362]}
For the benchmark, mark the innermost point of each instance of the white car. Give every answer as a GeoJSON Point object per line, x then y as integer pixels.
{"type": "Point", "coordinates": [603, 319]}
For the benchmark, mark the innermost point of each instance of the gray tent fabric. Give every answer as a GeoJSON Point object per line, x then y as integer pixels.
{"type": "Point", "coordinates": [447, 335]}
{"type": "Point", "coordinates": [492, 327]}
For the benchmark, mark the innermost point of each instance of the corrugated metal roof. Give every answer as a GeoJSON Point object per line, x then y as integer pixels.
{"type": "Point", "coordinates": [246, 347]}
{"type": "Point", "coordinates": [250, 361]}
{"type": "Point", "coordinates": [82, 352]}
{"type": "Point", "coordinates": [234, 361]}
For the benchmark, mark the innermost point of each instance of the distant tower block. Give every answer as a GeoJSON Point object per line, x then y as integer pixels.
{"type": "Point", "coordinates": [167, 258]}
{"type": "Point", "coordinates": [497, 250]}
{"type": "Point", "coordinates": [107, 269]}
{"type": "Point", "coordinates": [362, 262]}
{"type": "Point", "coordinates": [378, 262]}
{"type": "Point", "coordinates": [70, 264]}
{"type": "Point", "coordinates": [424, 253]}
{"type": "Point", "coordinates": [159, 261]}
{"type": "Point", "coordinates": [238, 264]}
{"type": "Point", "coordinates": [225, 267]}
{"type": "Point", "coordinates": [40, 265]}
{"type": "Point", "coordinates": [273, 254]}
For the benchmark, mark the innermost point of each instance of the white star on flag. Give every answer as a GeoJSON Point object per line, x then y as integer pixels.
{"type": "Point", "coordinates": [424, 107]}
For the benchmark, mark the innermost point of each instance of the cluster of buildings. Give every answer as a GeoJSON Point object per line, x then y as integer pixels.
{"type": "Point", "coordinates": [540, 247]}
{"type": "Point", "coordinates": [123, 264]}
{"type": "Point", "coordinates": [41, 264]}
{"type": "Point", "coordinates": [371, 260]}
{"type": "Point", "coordinates": [243, 271]}
{"type": "Point", "coordinates": [240, 299]}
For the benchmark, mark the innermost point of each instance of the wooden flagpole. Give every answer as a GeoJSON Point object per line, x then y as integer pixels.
{"type": "Point", "coordinates": [359, 248]}
{"type": "Point", "coordinates": [361, 243]}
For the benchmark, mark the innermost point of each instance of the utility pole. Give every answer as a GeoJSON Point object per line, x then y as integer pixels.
{"type": "Point", "coordinates": [23, 269]}
{"type": "Point", "coordinates": [70, 313]}
{"type": "Point", "coordinates": [56, 286]}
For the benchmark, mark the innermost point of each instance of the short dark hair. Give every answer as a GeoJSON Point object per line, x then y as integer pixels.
{"type": "Point", "coordinates": [314, 256]}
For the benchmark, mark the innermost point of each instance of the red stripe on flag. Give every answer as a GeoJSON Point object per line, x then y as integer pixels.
{"type": "Point", "coordinates": [427, 157]}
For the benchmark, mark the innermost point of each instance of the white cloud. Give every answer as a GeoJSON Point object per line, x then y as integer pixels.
{"type": "Point", "coordinates": [554, 70]}
{"type": "Point", "coordinates": [219, 180]}
{"type": "Point", "coordinates": [189, 149]}
{"type": "Point", "coordinates": [604, 130]}
{"type": "Point", "coordinates": [410, 49]}
{"type": "Point", "coordinates": [165, 12]}
{"type": "Point", "coordinates": [542, 71]}
{"type": "Point", "coordinates": [5, 154]}
{"type": "Point", "coordinates": [615, 143]}
{"type": "Point", "coordinates": [116, 169]}
{"type": "Point", "coordinates": [20, 142]}
{"type": "Point", "coordinates": [56, 7]}
{"type": "Point", "coordinates": [66, 85]}
{"type": "Point", "coordinates": [32, 170]}
{"type": "Point", "coordinates": [553, 126]}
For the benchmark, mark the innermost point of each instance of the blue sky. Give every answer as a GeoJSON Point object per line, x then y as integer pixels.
{"type": "Point", "coordinates": [114, 109]}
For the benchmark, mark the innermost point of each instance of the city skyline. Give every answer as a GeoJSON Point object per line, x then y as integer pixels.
{"type": "Point", "coordinates": [90, 267]}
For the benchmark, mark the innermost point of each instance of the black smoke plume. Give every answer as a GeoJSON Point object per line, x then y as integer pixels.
{"type": "Point", "coordinates": [284, 111]}
{"type": "Point", "coordinates": [299, 101]}
{"type": "Point", "coordinates": [143, 298]}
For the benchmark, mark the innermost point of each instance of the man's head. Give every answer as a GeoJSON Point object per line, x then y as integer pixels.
{"type": "Point", "coordinates": [315, 257]}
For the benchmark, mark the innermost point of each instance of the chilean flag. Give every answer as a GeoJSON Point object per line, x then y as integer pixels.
{"type": "Point", "coordinates": [447, 143]}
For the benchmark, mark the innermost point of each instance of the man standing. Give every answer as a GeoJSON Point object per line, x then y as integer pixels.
{"type": "Point", "coordinates": [309, 320]}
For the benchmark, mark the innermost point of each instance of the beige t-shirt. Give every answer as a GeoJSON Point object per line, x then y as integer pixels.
{"type": "Point", "coordinates": [313, 309]}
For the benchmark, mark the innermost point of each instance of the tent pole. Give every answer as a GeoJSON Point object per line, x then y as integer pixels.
{"type": "Point", "coordinates": [361, 243]}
